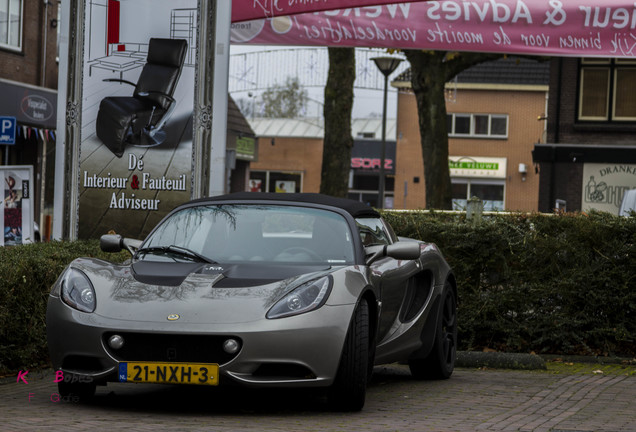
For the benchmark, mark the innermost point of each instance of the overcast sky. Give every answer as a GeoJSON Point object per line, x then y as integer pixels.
{"type": "Point", "coordinates": [367, 103]}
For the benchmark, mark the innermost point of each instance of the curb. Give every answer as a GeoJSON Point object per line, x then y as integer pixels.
{"type": "Point", "coordinates": [499, 360]}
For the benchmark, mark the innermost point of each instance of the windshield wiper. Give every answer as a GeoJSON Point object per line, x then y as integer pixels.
{"type": "Point", "coordinates": [177, 250]}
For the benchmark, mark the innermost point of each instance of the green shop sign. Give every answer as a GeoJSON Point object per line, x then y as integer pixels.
{"type": "Point", "coordinates": [473, 165]}
{"type": "Point", "coordinates": [245, 148]}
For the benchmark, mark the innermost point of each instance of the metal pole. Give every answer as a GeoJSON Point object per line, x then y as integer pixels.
{"type": "Point", "coordinates": [383, 151]}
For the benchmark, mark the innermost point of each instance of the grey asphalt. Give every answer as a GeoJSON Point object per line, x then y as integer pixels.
{"type": "Point", "coordinates": [472, 400]}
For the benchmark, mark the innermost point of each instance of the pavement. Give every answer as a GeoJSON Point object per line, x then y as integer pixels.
{"type": "Point", "coordinates": [592, 398]}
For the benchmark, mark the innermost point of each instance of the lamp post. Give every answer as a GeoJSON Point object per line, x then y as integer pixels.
{"type": "Point", "coordinates": [386, 65]}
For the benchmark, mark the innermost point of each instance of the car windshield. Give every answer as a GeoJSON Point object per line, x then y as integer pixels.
{"type": "Point", "coordinates": [252, 233]}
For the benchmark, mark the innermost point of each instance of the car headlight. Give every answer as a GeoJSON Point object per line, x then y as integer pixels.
{"type": "Point", "coordinates": [77, 291]}
{"type": "Point", "coordinates": [305, 298]}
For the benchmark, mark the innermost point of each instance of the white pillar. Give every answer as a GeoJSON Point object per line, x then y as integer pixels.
{"type": "Point", "coordinates": [219, 98]}
{"type": "Point", "coordinates": [60, 145]}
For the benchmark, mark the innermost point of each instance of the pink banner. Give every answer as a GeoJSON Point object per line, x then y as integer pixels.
{"type": "Point", "coordinates": [245, 10]}
{"type": "Point", "coordinates": [578, 28]}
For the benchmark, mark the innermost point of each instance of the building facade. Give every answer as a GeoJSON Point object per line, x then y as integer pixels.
{"type": "Point", "coordinates": [290, 157]}
{"type": "Point", "coordinates": [28, 79]}
{"type": "Point", "coordinates": [495, 114]}
{"type": "Point", "coordinates": [589, 158]}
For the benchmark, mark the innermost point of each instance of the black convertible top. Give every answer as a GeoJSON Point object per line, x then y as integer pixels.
{"type": "Point", "coordinates": [354, 208]}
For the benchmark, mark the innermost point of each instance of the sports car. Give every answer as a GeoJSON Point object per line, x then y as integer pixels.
{"type": "Point", "coordinates": [259, 290]}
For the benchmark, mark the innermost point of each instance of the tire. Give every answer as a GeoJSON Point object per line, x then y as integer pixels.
{"type": "Point", "coordinates": [82, 391]}
{"type": "Point", "coordinates": [440, 362]}
{"type": "Point", "coordinates": [349, 388]}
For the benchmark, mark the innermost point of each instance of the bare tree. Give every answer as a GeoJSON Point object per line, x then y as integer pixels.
{"type": "Point", "coordinates": [338, 140]}
{"type": "Point", "coordinates": [430, 71]}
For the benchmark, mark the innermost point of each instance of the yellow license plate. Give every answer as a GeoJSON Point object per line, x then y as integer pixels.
{"type": "Point", "coordinates": [169, 373]}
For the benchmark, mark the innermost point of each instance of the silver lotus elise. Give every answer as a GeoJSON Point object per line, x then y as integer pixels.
{"type": "Point", "coordinates": [261, 290]}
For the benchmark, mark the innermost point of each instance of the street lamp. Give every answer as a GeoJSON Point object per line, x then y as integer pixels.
{"type": "Point", "coordinates": [386, 65]}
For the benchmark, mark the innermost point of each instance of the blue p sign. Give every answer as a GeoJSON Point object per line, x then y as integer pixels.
{"type": "Point", "coordinates": [7, 130]}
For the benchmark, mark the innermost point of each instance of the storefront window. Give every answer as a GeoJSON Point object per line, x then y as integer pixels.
{"type": "Point", "coordinates": [490, 192]}
{"type": "Point", "coordinates": [459, 193]}
{"type": "Point", "coordinates": [275, 181]}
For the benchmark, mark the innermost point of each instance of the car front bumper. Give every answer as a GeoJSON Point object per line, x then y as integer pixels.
{"type": "Point", "coordinates": [296, 351]}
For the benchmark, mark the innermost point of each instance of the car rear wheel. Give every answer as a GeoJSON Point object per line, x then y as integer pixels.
{"type": "Point", "coordinates": [349, 388]}
{"type": "Point", "coordinates": [82, 391]}
{"type": "Point", "coordinates": [439, 364]}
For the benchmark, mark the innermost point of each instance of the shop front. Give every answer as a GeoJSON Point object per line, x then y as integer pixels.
{"type": "Point", "coordinates": [585, 177]}
{"type": "Point", "coordinates": [364, 177]}
{"type": "Point", "coordinates": [35, 111]}
{"type": "Point", "coordinates": [481, 177]}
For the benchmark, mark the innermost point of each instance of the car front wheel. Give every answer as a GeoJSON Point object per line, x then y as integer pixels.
{"type": "Point", "coordinates": [349, 388]}
{"type": "Point", "coordinates": [439, 364]}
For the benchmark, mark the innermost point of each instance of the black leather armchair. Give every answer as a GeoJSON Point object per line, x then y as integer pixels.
{"type": "Point", "coordinates": [139, 119]}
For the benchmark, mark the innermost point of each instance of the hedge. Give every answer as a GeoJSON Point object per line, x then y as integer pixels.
{"type": "Point", "coordinates": [561, 284]}
{"type": "Point", "coordinates": [27, 274]}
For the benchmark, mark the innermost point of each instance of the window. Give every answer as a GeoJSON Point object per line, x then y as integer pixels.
{"type": "Point", "coordinates": [275, 181]}
{"type": "Point", "coordinates": [477, 125]}
{"type": "Point", "coordinates": [490, 192]}
{"type": "Point", "coordinates": [253, 234]}
{"type": "Point", "coordinates": [372, 232]}
{"type": "Point", "coordinates": [11, 24]}
{"type": "Point", "coordinates": [606, 90]}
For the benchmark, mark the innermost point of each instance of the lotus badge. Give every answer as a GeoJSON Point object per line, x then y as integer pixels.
{"type": "Point", "coordinates": [173, 317]}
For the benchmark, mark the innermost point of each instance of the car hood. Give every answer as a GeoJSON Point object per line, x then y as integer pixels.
{"type": "Point", "coordinates": [205, 294]}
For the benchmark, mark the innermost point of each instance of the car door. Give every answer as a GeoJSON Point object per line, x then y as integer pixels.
{"type": "Point", "coordinates": [389, 275]}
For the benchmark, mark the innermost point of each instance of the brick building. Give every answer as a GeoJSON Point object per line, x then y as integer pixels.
{"type": "Point", "coordinates": [589, 158]}
{"type": "Point", "coordinates": [496, 114]}
{"type": "Point", "coordinates": [28, 79]}
{"type": "Point", "coordinates": [28, 42]}
{"type": "Point", "coordinates": [290, 157]}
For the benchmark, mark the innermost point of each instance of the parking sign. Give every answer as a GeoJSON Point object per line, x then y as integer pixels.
{"type": "Point", "coordinates": [7, 130]}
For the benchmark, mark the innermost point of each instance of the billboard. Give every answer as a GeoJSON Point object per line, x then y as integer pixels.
{"type": "Point", "coordinates": [16, 211]}
{"type": "Point", "coordinates": [136, 140]}
{"type": "Point", "coordinates": [579, 28]}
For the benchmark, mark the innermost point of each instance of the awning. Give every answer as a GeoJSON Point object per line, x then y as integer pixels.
{"type": "Point", "coordinates": [30, 105]}
{"type": "Point", "coordinates": [590, 153]}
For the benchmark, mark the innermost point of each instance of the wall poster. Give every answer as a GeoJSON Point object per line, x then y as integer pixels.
{"type": "Point", "coordinates": [604, 185]}
{"type": "Point", "coordinates": [16, 211]}
{"type": "Point", "coordinates": [136, 140]}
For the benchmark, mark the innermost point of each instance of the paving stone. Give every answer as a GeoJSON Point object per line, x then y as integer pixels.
{"type": "Point", "coordinates": [471, 400]}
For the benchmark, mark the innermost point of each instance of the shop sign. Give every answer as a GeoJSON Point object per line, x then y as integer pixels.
{"type": "Point", "coordinates": [605, 184]}
{"type": "Point", "coordinates": [37, 108]}
{"type": "Point", "coordinates": [366, 156]}
{"type": "Point", "coordinates": [466, 166]}
{"type": "Point", "coordinates": [30, 105]}
{"type": "Point", "coordinates": [246, 148]}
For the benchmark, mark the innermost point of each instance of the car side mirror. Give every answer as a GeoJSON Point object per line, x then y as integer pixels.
{"type": "Point", "coordinates": [115, 243]}
{"type": "Point", "coordinates": [404, 250]}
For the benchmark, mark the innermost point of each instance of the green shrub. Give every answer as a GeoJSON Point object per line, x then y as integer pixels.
{"type": "Point", "coordinates": [27, 274]}
{"type": "Point", "coordinates": [561, 284]}
{"type": "Point", "coordinates": [551, 284]}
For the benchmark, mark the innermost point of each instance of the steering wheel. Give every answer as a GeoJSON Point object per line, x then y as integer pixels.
{"type": "Point", "coordinates": [294, 250]}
